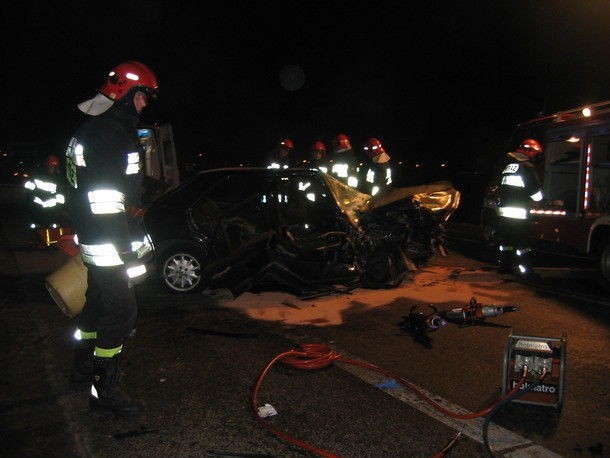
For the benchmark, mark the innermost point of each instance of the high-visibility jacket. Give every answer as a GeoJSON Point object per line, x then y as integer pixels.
{"type": "Point", "coordinates": [46, 190]}
{"type": "Point", "coordinates": [375, 177]}
{"type": "Point", "coordinates": [345, 169]}
{"type": "Point", "coordinates": [518, 187]}
{"type": "Point", "coordinates": [104, 169]}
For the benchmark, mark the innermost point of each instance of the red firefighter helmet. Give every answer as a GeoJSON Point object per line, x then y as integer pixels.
{"type": "Point", "coordinates": [287, 143]}
{"type": "Point", "coordinates": [126, 76]}
{"type": "Point", "coordinates": [52, 161]}
{"type": "Point", "coordinates": [375, 151]}
{"type": "Point", "coordinates": [318, 148]}
{"type": "Point", "coordinates": [373, 147]}
{"type": "Point", "coordinates": [341, 143]}
{"type": "Point", "coordinates": [531, 148]}
{"type": "Point", "coordinates": [120, 81]}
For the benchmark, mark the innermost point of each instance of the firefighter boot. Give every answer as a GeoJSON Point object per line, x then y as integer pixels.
{"type": "Point", "coordinates": [504, 259]}
{"type": "Point", "coordinates": [81, 375]}
{"type": "Point", "coordinates": [524, 261]}
{"type": "Point", "coordinates": [105, 392]}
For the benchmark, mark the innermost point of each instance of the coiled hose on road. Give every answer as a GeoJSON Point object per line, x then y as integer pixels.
{"type": "Point", "coordinates": [318, 356]}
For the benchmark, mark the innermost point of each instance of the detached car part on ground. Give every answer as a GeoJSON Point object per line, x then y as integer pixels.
{"type": "Point", "coordinates": [297, 229]}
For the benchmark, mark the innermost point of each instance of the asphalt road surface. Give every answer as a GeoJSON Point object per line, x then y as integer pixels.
{"type": "Point", "coordinates": [195, 361]}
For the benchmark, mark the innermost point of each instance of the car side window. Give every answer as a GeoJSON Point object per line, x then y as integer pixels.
{"type": "Point", "coordinates": [306, 206]}
{"type": "Point", "coordinates": [234, 211]}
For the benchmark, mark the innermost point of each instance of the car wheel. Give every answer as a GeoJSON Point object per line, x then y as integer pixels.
{"type": "Point", "coordinates": [383, 270]}
{"type": "Point", "coordinates": [604, 265]}
{"type": "Point", "coordinates": [180, 270]}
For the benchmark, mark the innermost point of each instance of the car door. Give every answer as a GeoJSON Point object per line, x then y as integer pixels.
{"type": "Point", "coordinates": [234, 212]}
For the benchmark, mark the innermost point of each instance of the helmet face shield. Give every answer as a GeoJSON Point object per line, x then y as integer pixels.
{"type": "Point", "coordinates": [151, 95]}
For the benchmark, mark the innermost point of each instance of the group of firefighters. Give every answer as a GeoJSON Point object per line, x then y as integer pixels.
{"type": "Point", "coordinates": [370, 175]}
{"type": "Point", "coordinates": [369, 172]}
{"type": "Point", "coordinates": [512, 191]}
{"type": "Point", "coordinates": [103, 176]}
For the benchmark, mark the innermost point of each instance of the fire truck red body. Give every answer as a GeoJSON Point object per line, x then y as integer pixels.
{"type": "Point", "coordinates": [574, 217]}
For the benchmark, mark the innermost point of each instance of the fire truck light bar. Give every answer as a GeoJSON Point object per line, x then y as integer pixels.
{"type": "Point", "coordinates": [547, 212]}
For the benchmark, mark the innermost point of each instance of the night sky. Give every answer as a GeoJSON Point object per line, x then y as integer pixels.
{"type": "Point", "coordinates": [432, 80]}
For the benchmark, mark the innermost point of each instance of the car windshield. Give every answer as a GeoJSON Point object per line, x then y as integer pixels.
{"type": "Point", "coordinates": [350, 200]}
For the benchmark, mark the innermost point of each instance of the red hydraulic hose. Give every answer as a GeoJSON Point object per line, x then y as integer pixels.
{"type": "Point", "coordinates": [413, 388]}
{"type": "Point", "coordinates": [317, 356]}
{"type": "Point", "coordinates": [298, 359]}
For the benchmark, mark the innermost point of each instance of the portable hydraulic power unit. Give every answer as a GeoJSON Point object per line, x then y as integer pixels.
{"type": "Point", "coordinates": [542, 356]}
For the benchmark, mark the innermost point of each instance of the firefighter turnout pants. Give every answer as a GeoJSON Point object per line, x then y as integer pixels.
{"type": "Point", "coordinates": [110, 307]}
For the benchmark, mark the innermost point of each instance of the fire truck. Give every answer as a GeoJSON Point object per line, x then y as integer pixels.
{"type": "Point", "coordinates": [573, 219]}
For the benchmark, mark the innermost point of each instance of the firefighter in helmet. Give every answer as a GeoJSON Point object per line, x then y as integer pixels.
{"type": "Point", "coordinates": [514, 191]}
{"type": "Point", "coordinates": [344, 165]}
{"type": "Point", "coordinates": [104, 168]}
{"type": "Point", "coordinates": [377, 174]}
{"type": "Point", "coordinates": [281, 156]}
{"type": "Point", "coordinates": [52, 165]}
{"type": "Point", "coordinates": [47, 190]}
{"type": "Point", "coordinates": [317, 156]}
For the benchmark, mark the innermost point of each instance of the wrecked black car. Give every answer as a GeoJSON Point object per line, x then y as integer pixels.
{"type": "Point", "coordinates": [300, 230]}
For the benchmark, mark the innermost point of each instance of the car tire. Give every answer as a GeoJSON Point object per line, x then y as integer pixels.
{"type": "Point", "coordinates": [384, 270]}
{"type": "Point", "coordinates": [603, 264]}
{"type": "Point", "coordinates": [180, 269]}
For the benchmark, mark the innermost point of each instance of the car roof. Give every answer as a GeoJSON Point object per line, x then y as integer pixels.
{"type": "Point", "coordinates": [175, 196]}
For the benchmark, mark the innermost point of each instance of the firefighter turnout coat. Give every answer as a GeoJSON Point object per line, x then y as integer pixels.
{"type": "Point", "coordinates": [345, 168]}
{"type": "Point", "coordinates": [519, 186]}
{"type": "Point", "coordinates": [375, 178]}
{"type": "Point", "coordinates": [105, 174]}
{"type": "Point", "coordinates": [46, 190]}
